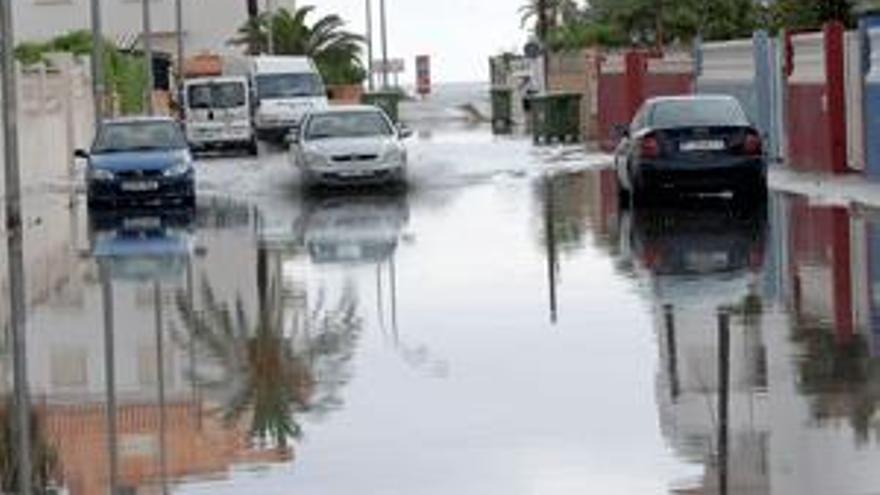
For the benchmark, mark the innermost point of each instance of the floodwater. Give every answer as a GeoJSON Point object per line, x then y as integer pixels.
{"type": "Point", "coordinates": [501, 327]}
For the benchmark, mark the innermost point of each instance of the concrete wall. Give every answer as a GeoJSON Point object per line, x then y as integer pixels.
{"type": "Point", "coordinates": [576, 72]}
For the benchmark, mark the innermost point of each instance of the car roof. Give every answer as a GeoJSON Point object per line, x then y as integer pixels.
{"type": "Point", "coordinates": [215, 79]}
{"type": "Point", "coordinates": [142, 119]}
{"type": "Point", "coordinates": [268, 64]}
{"type": "Point", "coordinates": [347, 109]}
{"type": "Point", "coordinates": [689, 98]}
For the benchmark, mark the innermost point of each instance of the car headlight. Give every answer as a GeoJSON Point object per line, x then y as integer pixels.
{"type": "Point", "coordinates": [314, 159]}
{"type": "Point", "coordinates": [394, 154]}
{"type": "Point", "coordinates": [180, 168]}
{"type": "Point", "coordinates": [100, 174]}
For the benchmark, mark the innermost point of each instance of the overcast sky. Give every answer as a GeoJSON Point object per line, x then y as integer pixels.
{"type": "Point", "coordinates": [459, 35]}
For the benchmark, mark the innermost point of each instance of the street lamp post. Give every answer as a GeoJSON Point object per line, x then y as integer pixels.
{"type": "Point", "coordinates": [384, 28]}
{"type": "Point", "coordinates": [97, 63]}
{"type": "Point", "coordinates": [148, 53]}
{"type": "Point", "coordinates": [371, 80]}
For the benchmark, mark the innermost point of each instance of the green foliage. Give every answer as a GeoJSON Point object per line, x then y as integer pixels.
{"type": "Point", "coordinates": [575, 25]}
{"type": "Point", "coordinates": [336, 51]}
{"type": "Point", "coordinates": [127, 75]}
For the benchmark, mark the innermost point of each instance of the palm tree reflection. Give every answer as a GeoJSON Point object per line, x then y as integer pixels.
{"type": "Point", "coordinates": [270, 371]}
{"type": "Point", "coordinates": [45, 465]}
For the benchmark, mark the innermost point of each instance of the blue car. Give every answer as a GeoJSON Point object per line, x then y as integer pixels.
{"type": "Point", "coordinates": [137, 161]}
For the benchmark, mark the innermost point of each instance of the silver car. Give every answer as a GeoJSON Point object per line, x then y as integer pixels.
{"type": "Point", "coordinates": [349, 145]}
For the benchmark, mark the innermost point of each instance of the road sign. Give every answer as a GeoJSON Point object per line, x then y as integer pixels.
{"type": "Point", "coordinates": [423, 74]}
{"type": "Point", "coordinates": [395, 66]}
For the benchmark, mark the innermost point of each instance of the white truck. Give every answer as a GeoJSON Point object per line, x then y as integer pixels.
{"type": "Point", "coordinates": [285, 88]}
{"type": "Point", "coordinates": [217, 113]}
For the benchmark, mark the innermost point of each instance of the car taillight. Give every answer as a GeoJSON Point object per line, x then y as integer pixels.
{"type": "Point", "coordinates": [753, 145]}
{"type": "Point", "coordinates": [651, 257]}
{"type": "Point", "coordinates": [650, 147]}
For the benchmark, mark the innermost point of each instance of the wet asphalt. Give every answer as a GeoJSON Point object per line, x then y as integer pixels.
{"type": "Point", "coordinates": [503, 325]}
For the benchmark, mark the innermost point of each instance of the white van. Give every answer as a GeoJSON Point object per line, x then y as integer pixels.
{"type": "Point", "coordinates": [286, 88]}
{"type": "Point", "coordinates": [218, 114]}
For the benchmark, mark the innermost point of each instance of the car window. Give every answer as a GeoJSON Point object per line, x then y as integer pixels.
{"type": "Point", "coordinates": [276, 86]}
{"type": "Point", "coordinates": [638, 122]}
{"type": "Point", "coordinates": [139, 136]}
{"type": "Point", "coordinates": [217, 95]}
{"type": "Point", "coordinates": [354, 124]}
{"type": "Point", "coordinates": [697, 112]}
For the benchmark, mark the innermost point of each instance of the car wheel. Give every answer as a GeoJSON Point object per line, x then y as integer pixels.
{"type": "Point", "coordinates": [623, 195]}
{"type": "Point", "coordinates": [253, 148]}
{"type": "Point", "coordinates": [754, 190]}
{"type": "Point", "coordinates": [642, 194]}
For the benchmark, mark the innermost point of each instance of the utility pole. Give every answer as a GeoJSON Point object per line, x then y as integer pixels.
{"type": "Point", "coordinates": [97, 63]}
{"type": "Point", "coordinates": [178, 7]}
{"type": "Point", "coordinates": [384, 28]}
{"type": "Point", "coordinates": [542, 31]}
{"type": "Point", "coordinates": [14, 239]}
{"type": "Point", "coordinates": [371, 81]}
{"type": "Point", "coordinates": [270, 11]}
{"type": "Point", "coordinates": [148, 53]}
{"type": "Point", "coordinates": [9, 100]}
{"type": "Point", "coordinates": [660, 34]}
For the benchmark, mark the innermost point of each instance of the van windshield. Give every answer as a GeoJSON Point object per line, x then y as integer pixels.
{"type": "Point", "coordinates": [217, 95]}
{"type": "Point", "coordinates": [277, 86]}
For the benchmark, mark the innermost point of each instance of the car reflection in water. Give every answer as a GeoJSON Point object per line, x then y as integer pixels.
{"type": "Point", "coordinates": [143, 244]}
{"type": "Point", "coordinates": [707, 253]}
{"type": "Point", "coordinates": [354, 228]}
{"type": "Point", "coordinates": [703, 263]}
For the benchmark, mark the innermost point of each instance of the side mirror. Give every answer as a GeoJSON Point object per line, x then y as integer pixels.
{"type": "Point", "coordinates": [404, 132]}
{"type": "Point", "coordinates": [80, 153]}
{"type": "Point", "coordinates": [621, 131]}
{"type": "Point", "coordinates": [292, 137]}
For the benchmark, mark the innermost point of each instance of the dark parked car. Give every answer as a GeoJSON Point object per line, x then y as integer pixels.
{"type": "Point", "coordinates": [690, 144]}
{"type": "Point", "coordinates": [139, 160]}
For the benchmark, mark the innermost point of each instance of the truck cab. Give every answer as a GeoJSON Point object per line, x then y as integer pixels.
{"type": "Point", "coordinates": [217, 113]}
{"type": "Point", "coordinates": [286, 88]}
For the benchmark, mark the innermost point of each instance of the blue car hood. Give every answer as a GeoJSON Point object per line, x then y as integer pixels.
{"type": "Point", "coordinates": [137, 160]}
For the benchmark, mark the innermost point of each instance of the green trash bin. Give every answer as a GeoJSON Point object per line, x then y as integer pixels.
{"type": "Point", "coordinates": [556, 117]}
{"type": "Point", "coordinates": [386, 100]}
{"type": "Point", "coordinates": [502, 110]}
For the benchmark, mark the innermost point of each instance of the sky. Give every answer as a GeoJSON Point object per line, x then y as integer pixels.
{"type": "Point", "coordinates": [459, 35]}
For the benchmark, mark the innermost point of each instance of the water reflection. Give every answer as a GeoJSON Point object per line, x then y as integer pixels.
{"type": "Point", "coordinates": [702, 265]}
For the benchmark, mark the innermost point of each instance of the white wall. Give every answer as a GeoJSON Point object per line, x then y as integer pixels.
{"type": "Point", "coordinates": [208, 24]}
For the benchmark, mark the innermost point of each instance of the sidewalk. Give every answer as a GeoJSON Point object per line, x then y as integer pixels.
{"type": "Point", "coordinates": [826, 188]}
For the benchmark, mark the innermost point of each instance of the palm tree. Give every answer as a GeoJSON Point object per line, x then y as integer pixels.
{"type": "Point", "coordinates": [336, 51]}
{"type": "Point", "coordinates": [265, 376]}
{"type": "Point", "coordinates": [555, 12]}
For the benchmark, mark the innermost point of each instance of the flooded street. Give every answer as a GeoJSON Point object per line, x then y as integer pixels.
{"type": "Point", "coordinates": [501, 327]}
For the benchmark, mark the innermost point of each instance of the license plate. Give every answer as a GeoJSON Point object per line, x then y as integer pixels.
{"type": "Point", "coordinates": [355, 173]}
{"type": "Point", "coordinates": [140, 186]}
{"type": "Point", "coordinates": [705, 262]}
{"type": "Point", "coordinates": [143, 223]}
{"type": "Point", "coordinates": [703, 145]}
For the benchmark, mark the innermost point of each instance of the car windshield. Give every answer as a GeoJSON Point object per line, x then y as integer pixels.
{"type": "Point", "coordinates": [276, 86]}
{"type": "Point", "coordinates": [697, 112]}
{"type": "Point", "coordinates": [139, 136]}
{"type": "Point", "coordinates": [217, 95]}
{"type": "Point", "coordinates": [344, 125]}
